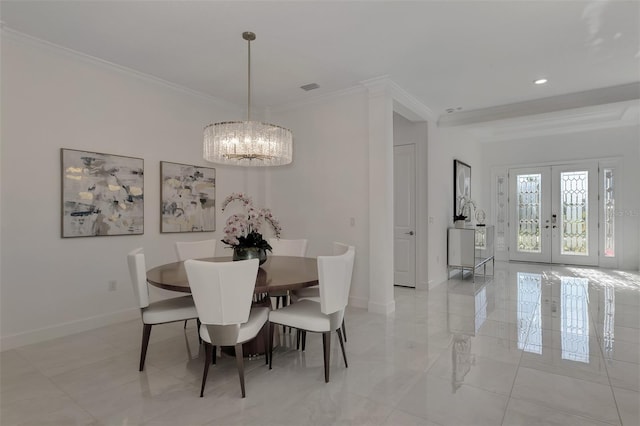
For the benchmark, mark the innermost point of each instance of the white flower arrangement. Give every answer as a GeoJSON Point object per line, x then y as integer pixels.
{"type": "Point", "coordinates": [243, 230]}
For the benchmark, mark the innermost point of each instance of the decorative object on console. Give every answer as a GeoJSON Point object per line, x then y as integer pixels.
{"type": "Point", "coordinates": [248, 143]}
{"type": "Point", "coordinates": [188, 198]}
{"type": "Point", "coordinates": [481, 216]}
{"type": "Point", "coordinates": [461, 190]}
{"type": "Point", "coordinates": [102, 194]}
{"type": "Point", "coordinates": [242, 231]}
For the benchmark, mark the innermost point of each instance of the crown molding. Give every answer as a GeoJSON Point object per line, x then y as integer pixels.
{"type": "Point", "coordinates": [55, 48]}
{"type": "Point", "coordinates": [595, 97]}
{"type": "Point", "coordinates": [620, 114]}
{"type": "Point", "coordinates": [403, 102]}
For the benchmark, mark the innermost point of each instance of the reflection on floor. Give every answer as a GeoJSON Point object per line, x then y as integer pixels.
{"type": "Point", "coordinates": [537, 344]}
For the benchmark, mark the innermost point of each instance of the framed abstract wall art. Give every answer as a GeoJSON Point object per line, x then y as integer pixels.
{"type": "Point", "coordinates": [461, 187]}
{"type": "Point", "coordinates": [188, 198]}
{"type": "Point", "coordinates": [102, 194]}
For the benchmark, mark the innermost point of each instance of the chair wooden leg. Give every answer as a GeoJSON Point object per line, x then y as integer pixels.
{"type": "Point", "coordinates": [344, 330]}
{"type": "Point", "coordinates": [298, 339]}
{"type": "Point", "coordinates": [146, 333]}
{"type": "Point", "coordinates": [304, 340]}
{"type": "Point", "coordinates": [265, 334]}
{"type": "Point", "coordinates": [240, 364]}
{"type": "Point", "coordinates": [185, 323]}
{"type": "Point", "coordinates": [207, 357]}
{"type": "Point", "coordinates": [326, 345]}
{"type": "Point", "coordinates": [271, 327]}
{"type": "Point", "coordinates": [284, 303]}
{"type": "Point", "coordinates": [214, 355]}
{"type": "Point", "coordinates": [198, 326]}
{"type": "Point", "coordinates": [288, 302]}
{"type": "Point", "coordinates": [344, 354]}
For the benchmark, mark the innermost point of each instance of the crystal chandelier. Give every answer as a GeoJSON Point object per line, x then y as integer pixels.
{"type": "Point", "coordinates": [248, 143]}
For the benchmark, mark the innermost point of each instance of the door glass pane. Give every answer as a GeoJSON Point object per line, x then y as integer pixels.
{"type": "Point", "coordinates": [609, 320]}
{"type": "Point", "coordinates": [529, 312]}
{"type": "Point", "coordinates": [501, 213]}
{"type": "Point", "coordinates": [528, 193]}
{"type": "Point", "coordinates": [609, 214]}
{"type": "Point", "coordinates": [574, 193]}
{"type": "Point", "coordinates": [574, 327]}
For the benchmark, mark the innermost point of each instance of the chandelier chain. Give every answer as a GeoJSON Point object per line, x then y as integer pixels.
{"type": "Point", "coordinates": [249, 79]}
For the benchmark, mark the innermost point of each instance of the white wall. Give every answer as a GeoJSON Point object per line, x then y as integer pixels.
{"type": "Point", "coordinates": [446, 144]}
{"type": "Point", "coordinates": [53, 99]}
{"type": "Point", "coordinates": [619, 142]}
{"type": "Point", "coordinates": [326, 186]}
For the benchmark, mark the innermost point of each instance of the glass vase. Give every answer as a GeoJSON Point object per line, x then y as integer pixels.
{"type": "Point", "coordinates": [244, 253]}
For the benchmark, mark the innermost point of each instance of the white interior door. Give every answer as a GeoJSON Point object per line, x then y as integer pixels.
{"type": "Point", "coordinates": [554, 214]}
{"type": "Point", "coordinates": [404, 215]}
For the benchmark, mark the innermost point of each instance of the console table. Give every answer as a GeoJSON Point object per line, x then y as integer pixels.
{"type": "Point", "coordinates": [470, 248]}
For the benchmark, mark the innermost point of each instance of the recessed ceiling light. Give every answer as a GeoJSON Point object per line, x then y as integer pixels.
{"type": "Point", "coordinates": [540, 81]}
{"type": "Point", "coordinates": [309, 86]}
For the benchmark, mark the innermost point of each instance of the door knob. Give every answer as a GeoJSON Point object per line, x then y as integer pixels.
{"type": "Point", "coordinates": [409, 233]}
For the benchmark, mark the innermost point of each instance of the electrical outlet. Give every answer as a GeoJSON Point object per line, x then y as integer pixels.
{"type": "Point", "coordinates": [352, 221]}
{"type": "Point", "coordinates": [112, 285]}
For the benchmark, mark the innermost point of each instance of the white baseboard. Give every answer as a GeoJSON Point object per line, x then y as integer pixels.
{"type": "Point", "coordinates": [65, 329]}
{"type": "Point", "coordinates": [422, 285]}
{"type": "Point", "coordinates": [437, 281]}
{"type": "Point", "coordinates": [358, 302]}
{"type": "Point", "coordinates": [382, 308]}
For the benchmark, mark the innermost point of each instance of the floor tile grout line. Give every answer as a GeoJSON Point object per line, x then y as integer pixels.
{"type": "Point", "coordinates": [63, 391]}
{"type": "Point", "coordinates": [569, 413]}
{"type": "Point", "coordinates": [515, 377]}
{"type": "Point", "coordinates": [606, 368]}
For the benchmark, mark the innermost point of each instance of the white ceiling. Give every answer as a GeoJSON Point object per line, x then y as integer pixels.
{"type": "Point", "coordinates": [469, 54]}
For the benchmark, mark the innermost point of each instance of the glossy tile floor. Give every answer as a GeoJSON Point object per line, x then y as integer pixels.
{"type": "Point", "coordinates": [536, 345]}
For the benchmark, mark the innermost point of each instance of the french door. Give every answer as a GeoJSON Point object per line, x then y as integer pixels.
{"type": "Point", "coordinates": [554, 214]}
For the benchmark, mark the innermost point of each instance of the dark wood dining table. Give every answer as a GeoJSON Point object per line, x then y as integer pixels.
{"type": "Point", "coordinates": [278, 273]}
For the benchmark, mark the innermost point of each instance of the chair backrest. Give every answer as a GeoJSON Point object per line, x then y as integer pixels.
{"type": "Point", "coordinates": [339, 248]}
{"type": "Point", "coordinates": [222, 291]}
{"type": "Point", "coordinates": [280, 247]}
{"type": "Point", "coordinates": [138, 273]}
{"type": "Point", "coordinates": [334, 275]}
{"type": "Point", "coordinates": [195, 249]}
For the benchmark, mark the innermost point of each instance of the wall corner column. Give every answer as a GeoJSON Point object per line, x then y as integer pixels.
{"type": "Point", "coordinates": [381, 299]}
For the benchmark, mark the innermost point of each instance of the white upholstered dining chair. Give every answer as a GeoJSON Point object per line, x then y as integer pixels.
{"type": "Point", "coordinates": [313, 293]}
{"type": "Point", "coordinates": [334, 275]}
{"type": "Point", "coordinates": [153, 313]}
{"type": "Point", "coordinates": [223, 292]}
{"type": "Point", "coordinates": [282, 247]}
{"type": "Point", "coordinates": [195, 249]}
